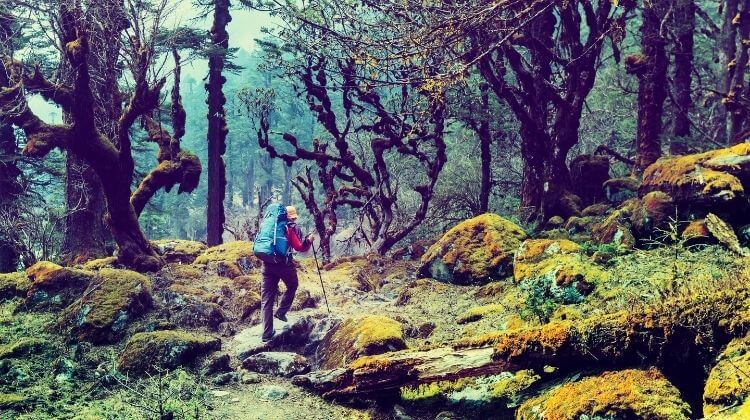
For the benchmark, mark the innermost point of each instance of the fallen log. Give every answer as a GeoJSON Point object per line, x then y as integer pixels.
{"type": "Point", "coordinates": [682, 337]}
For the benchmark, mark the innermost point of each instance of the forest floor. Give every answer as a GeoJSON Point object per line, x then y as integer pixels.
{"type": "Point", "coordinates": [67, 379]}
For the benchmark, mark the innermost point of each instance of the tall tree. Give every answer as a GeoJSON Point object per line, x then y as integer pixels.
{"type": "Point", "coordinates": [650, 66]}
{"type": "Point", "coordinates": [217, 124]}
{"type": "Point", "coordinates": [684, 30]}
{"type": "Point", "coordinates": [737, 99]}
{"type": "Point", "coordinates": [110, 157]}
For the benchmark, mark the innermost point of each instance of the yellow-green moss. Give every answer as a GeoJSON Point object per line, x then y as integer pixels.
{"type": "Point", "coordinates": [42, 270]}
{"type": "Point", "coordinates": [622, 394]}
{"type": "Point", "coordinates": [183, 271]}
{"type": "Point", "coordinates": [561, 258]}
{"type": "Point", "coordinates": [14, 285]}
{"type": "Point", "coordinates": [431, 392]}
{"type": "Point", "coordinates": [702, 174]}
{"type": "Point", "coordinates": [12, 401]}
{"type": "Point", "coordinates": [478, 312]}
{"type": "Point", "coordinates": [100, 263]}
{"type": "Point", "coordinates": [102, 313]}
{"type": "Point", "coordinates": [148, 351]}
{"type": "Point", "coordinates": [228, 257]}
{"type": "Point", "coordinates": [180, 250]}
{"type": "Point", "coordinates": [509, 388]}
{"type": "Point", "coordinates": [22, 347]}
{"type": "Point", "coordinates": [728, 382]}
{"type": "Point", "coordinates": [477, 249]}
{"type": "Point", "coordinates": [355, 337]}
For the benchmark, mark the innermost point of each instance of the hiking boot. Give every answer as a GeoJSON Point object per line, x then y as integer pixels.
{"type": "Point", "coordinates": [280, 317]}
{"type": "Point", "coordinates": [267, 339]}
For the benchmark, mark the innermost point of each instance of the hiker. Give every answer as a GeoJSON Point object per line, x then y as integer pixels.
{"type": "Point", "coordinates": [277, 236]}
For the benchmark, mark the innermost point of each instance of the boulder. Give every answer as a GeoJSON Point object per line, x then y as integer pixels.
{"type": "Point", "coordinates": [706, 179]}
{"type": "Point", "coordinates": [588, 174]}
{"type": "Point", "coordinates": [615, 229]}
{"type": "Point", "coordinates": [178, 250]}
{"type": "Point", "coordinates": [357, 337]}
{"type": "Point", "coordinates": [114, 300]}
{"type": "Point", "coordinates": [54, 287]}
{"type": "Point", "coordinates": [23, 347]}
{"type": "Point", "coordinates": [728, 384]}
{"type": "Point", "coordinates": [231, 259]}
{"type": "Point", "coordinates": [619, 190]}
{"type": "Point", "coordinates": [148, 352]}
{"type": "Point", "coordinates": [724, 234]}
{"type": "Point", "coordinates": [626, 394]}
{"type": "Point", "coordinates": [600, 209]}
{"type": "Point", "coordinates": [562, 262]}
{"type": "Point", "coordinates": [478, 312]}
{"type": "Point", "coordinates": [476, 250]}
{"type": "Point", "coordinates": [14, 285]}
{"type": "Point", "coordinates": [696, 231]}
{"type": "Point", "coordinates": [652, 212]}
{"type": "Point", "coordinates": [277, 363]}
{"type": "Point", "coordinates": [290, 335]}
{"type": "Point", "coordinates": [193, 306]}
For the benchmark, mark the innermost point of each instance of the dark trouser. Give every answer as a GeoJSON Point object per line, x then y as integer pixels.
{"type": "Point", "coordinates": [272, 273]}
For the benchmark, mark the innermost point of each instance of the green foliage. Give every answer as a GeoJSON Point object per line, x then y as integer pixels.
{"type": "Point", "coordinates": [541, 296]}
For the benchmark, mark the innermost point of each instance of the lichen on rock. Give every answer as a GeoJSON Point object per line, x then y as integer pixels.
{"type": "Point", "coordinates": [474, 251]}
{"type": "Point", "coordinates": [356, 337]}
{"type": "Point", "coordinates": [115, 298]}
{"type": "Point", "coordinates": [149, 352]}
{"type": "Point", "coordinates": [625, 394]}
{"type": "Point", "coordinates": [728, 382]}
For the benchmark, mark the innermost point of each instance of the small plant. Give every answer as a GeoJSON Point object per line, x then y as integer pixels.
{"type": "Point", "coordinates": [539, 303]}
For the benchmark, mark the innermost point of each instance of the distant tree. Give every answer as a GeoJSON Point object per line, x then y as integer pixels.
{"type": "Point", "coordinates": [110, 156]}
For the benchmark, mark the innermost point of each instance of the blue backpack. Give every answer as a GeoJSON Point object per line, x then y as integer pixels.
{"type": "Point", "coordinates": [271, 245]}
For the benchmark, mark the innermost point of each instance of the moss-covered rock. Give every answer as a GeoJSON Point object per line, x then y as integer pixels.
{"type": "Point", "coordinates": [100, 263]}
{"type": "Point", "coordinates": [22, 347]}
{"type": "Point", "coordinates": [616, 229]}
{"type": "Point", "coordinates": [704, 178]}
{"type": "Point", "coordinates": [356, 337]}
{"type": "Point", "coordinates": [54, 287]}
{"type": "Point", "coordinates": [560, 261]}
{"type": "Point", "coordinates": [179, 250]}
{"type": "Point", "coordinates": [115, 299]}
{"type": "Point", "coordinates": [627, 394]}
{"type": "Point", "coordinates": [728, 382]}
{"type": "Point", "coordinates": [653, 211]}
{"type": "Point", "coordinates": [231, 259]}
{"type": "Point", "coordinates": [475, 250]}
{"type": "Point", "coordinates": [14, 285]}
{"type": "Point", "coordinates": [148, 352]}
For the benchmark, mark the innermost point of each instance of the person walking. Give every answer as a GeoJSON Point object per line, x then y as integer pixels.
{"type": "Point", "coordinates": [281, 268]}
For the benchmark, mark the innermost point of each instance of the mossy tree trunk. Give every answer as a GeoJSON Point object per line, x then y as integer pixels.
{"type": "Point", "coordinates": [650, 66]}
{"type": "Point", "coordinates": [217, 123]}
{"type": "Point", "coordinates": [110, 156]}
{"type": "Point", "coordinates": [738, 93]}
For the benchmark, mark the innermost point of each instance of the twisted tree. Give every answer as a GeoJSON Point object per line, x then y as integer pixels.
{"type": "Point", "coordinates": [109, 154]}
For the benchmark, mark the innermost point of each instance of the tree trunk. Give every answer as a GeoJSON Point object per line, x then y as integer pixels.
{"type": "Point", "coordinates": [248, 187]}
{"type": "Point", "coordinates": [9, 190]}
{"type": "Point", "coordinates": [651, 68]}
{"type": "Point", "coordinates": [727, 49]}
{"type": "Point", "coordinates": [85, 233]}
{"type": "Point", "coordinates": [739, 93]}
{"type": "Point", "coordinates": [485, 152]}
{"type": "Point", "coordinates": [217, 125]}
{"type": "Point", "coordinates": [684, 23]}
{"type": "Point", "coordinates": [286, 195]}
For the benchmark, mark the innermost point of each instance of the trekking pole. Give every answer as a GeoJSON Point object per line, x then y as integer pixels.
{"type": "Point", "coordinates": [315, 255]}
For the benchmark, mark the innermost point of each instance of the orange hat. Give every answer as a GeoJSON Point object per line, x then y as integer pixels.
{"type": "Point", "coordinates": [291, 213]}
